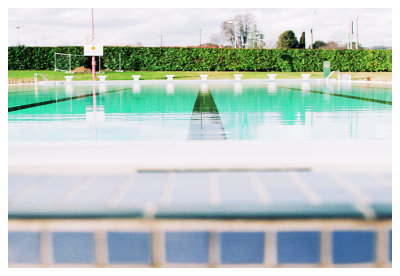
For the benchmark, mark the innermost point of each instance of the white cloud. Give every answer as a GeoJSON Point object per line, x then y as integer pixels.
{"type": "Point", "coordinates": [181, 27]}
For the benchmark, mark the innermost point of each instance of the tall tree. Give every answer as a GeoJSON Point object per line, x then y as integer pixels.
{"type": "Point", "coordinates": [302, 42]}
{"type": "Point", "coordinates": [237, 30]}
{"type": "Point", "coordinates": [319, 44]}
{"type": "Point", "coordinates": [287, 40]}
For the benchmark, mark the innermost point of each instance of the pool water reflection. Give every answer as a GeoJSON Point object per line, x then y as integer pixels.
{"type": "Point", "coordinates": [212, 111]}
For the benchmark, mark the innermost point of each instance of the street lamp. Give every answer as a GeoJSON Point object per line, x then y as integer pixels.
{"type": "Point", "coordinates": [312, 21]}
{"type": "Point", "coordinates": [18, 34]}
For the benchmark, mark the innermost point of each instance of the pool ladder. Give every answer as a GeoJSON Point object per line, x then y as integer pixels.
{"type": "Point", "coordinates": [330, 75]}
{"type": "Point", "coordinates": [35, 77]}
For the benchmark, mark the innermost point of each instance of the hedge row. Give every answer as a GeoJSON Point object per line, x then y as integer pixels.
{"type": "Point", "coordinates": [207, 59]}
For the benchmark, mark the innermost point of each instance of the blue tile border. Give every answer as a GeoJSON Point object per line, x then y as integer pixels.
{"type": "Point", "coordinates": [134, 247]}
{"type": "Point", "coordinates": [186, 247]}
{"type": "Point", "coordinates": [242, 247]}
{"type": "Point", "coordinates": [129, 247]}
{"type": "Point", "coordinates": [73, 247]}
{"type": "Point", "coordinates": [298, 247]}
{"type": "Point", "coordinates": [352, 247]}
{"type": "Point", "coordinates": [24, 247]}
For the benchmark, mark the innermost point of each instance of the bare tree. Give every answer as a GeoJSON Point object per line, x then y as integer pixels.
{"type": "Point", "coordinates": [237, 30]}
{"type": "Point", "coordinates": [216, 39]}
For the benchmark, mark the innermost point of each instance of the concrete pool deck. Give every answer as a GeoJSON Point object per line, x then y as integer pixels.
{"type": "Point", "coordinates": [364, 155]}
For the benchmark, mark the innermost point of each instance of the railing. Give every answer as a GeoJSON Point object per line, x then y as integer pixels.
{"type": "Point", "coordinates": [330, 75]}
{"type": "Point", "coordinates": [35, 77]}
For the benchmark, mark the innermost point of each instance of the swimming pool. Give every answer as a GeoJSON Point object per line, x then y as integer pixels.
{"type": "Point", "coordinates": [189, 173]}
{"type": "Point", "coordinates": [178, 111]}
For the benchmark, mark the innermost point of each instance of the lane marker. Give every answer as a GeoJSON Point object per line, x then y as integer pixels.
{"type": "Point", "coordinates": [342, 95]}
{"type": "Point", "coordinates": [25, 106]}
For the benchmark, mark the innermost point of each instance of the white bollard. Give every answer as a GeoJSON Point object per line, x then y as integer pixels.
{"type": "Point", "coordinates": [170, 77]}
{"type": "Point", "coordinates": [203, 77]}
{"type": "Point", "coordinates": [238, 76]}
{"type": "Point", "coordinates": [306, 76]}
{"type": "Point", "coordinates": [102, 78]}
{"type": "Point", "coordinates": [136, 77]}
{"type": "Point", "coordinates": [271, 76]}
{"type": "Point", "coordinates": [68, 78]}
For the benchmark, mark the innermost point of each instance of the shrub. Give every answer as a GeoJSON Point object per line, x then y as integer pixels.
{"type": "Point", "coordinates": [209, 59]}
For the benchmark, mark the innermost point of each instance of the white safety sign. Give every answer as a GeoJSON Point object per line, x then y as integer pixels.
{"type": "Point", "coordinates": [93, 50]}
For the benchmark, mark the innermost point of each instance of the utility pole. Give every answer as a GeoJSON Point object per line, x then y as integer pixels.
{"type": "Point", "coordinates": [352, 33]}
{"type": "Point", "coordinates": [357, 32]}
{"type": "Point", "coordinates": [93, 57]}
{"type": "Point", "coordinates": [312, 24]}
{"type": "Point", "coordinates": [161, 40]}
{"type": "Point", "coordinates": [18, 34]}
{"type": "Point", "coordinates": [200, 38]}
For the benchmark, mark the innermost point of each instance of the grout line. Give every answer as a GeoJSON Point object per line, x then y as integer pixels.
{"type": "Point", "coordinates": [168, 189]}
{"type": "Point", "coordinates": [326, 249]}
{"type": "Point", "coordinates": [348, 186]}
{"type": "Point", "coordinates": [30, 189]}
{"type": "Point", "coordinates": [158, 248]}
{"type": "Point", "coordinates": [365, 209]}
{"type": "Point", "coordinates": [214, 196]}
{"type": "Point", "coordinates": [262, 194]}
{"type": "Point", "coordinates": [100, 245]}
{"type": "Point", "coordinates": [149, 211]}
{"type": "Point", "coordinates": [382, 180]}
{"type": "Point", "coordinates": [382, 247]}
{"type": "Point", "coordinates": [46, 252]}
{"type": "Point", "coordinates": [362, 200]}
{"type": "Point", "coordinates": [121, 191]}
{"type": "Point", "coordinates": [214, 254]}
{"type": "Point", "coordinates": [271, 253]}
{"type": "Point", "coordinates": [305, 188]}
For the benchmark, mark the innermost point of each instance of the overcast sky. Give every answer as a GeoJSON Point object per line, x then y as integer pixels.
{"type": "Point", "coordinates": [181, 27]}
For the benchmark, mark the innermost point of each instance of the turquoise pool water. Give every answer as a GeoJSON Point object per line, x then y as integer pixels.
{"type": "Point", "coordinates": [195, 111]}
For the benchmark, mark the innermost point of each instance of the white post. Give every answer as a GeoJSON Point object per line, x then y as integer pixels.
{"type": "Point", "coordinates": [135, 77]}
{"type": "Point", "coordinates": [357, 32]}
{"type": "Point", "coordinates": [203, 77]}
{"type": "Point", "coordinates": [170, 77]}
{"type": "Point", "coordinates": [238, 76]}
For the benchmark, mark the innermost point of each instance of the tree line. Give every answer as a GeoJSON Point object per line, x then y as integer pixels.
{"type": "Point", "coordinates": [241, 31]}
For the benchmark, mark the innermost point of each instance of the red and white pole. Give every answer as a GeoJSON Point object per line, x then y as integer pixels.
{"type": "Point", "coordinates": [93, 57]}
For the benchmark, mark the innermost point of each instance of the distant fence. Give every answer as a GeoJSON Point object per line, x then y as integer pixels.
{"type": "Point", "coordinates": [209, 59]}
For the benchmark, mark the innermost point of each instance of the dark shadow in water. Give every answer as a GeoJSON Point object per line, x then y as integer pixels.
{"type": "Point", "coordinates": [206, 123]}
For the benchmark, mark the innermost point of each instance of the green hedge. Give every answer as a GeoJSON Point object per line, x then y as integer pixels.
{"type": "Point", "coordinates": [208, 59]}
